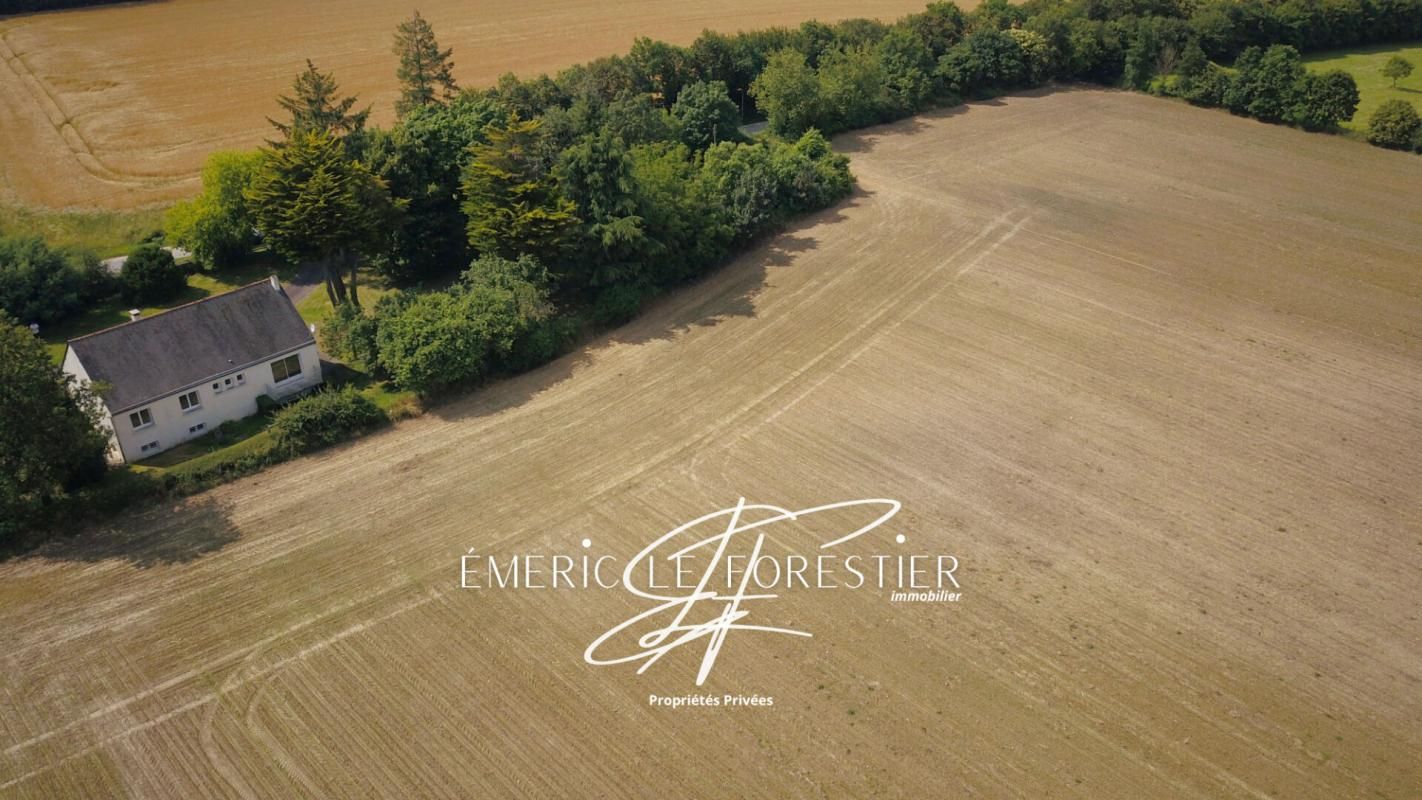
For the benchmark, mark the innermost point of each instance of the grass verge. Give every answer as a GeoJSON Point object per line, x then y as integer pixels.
{"type": "Point", "coordinates": [1365, 65]}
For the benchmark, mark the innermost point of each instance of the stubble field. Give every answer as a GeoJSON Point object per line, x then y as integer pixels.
{"type": "Point", "coordinates": [1151, 372]}
{"type": "Point", "coordinates": [116, 107]}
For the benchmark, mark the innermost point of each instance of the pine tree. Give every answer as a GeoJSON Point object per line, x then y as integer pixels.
{"type": "Point", "coordinates": [513, 207]}
{"type": "Point", "coordinates": [312, 204]}
{"type": "Point", "coordinates": [317, 108]}
{"type": "Point", "coordinates": [426, 73]}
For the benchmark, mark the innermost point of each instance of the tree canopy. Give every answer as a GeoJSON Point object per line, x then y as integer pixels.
{"type": "Point", "coordinates": [313, 204]}
{"type": "Point", "coordinates": [513, 205]}
{"type": "Point", "coordinates": [49, 437]}
{"type": "Point", "coordinates": [217, 225]}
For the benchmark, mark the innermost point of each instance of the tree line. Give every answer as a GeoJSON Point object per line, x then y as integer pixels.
{"type": "Point", "coordinates": [541, 205]}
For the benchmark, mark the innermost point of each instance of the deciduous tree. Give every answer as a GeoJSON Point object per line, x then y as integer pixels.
{"type": "Point", "coordinates": [788, 91]}
{"type": "Point", "coordinates": [217, 225]}
{"type": "Point", "coordinates": [706, 115]}
{"type": "Point", "coordinates": [151, 276]}
{"type": "Point", "coordinates": [1396, 69]}
{"type": "Point", "coordinates": [1395, 124]}
{"type": "Point", "coordinates": [49, 437]}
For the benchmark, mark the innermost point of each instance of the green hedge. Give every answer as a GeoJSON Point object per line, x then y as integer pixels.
{"type": "Point", "coordinates": [323, 419]}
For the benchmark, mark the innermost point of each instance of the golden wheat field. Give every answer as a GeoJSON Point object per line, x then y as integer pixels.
{"type": "Point", "coordinates": [116, 107]}
{"type": "Point", "coordinates": [1153, 373]}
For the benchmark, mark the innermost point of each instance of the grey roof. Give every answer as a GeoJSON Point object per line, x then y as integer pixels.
{"type": "Point", "coordinates": [157, 356]}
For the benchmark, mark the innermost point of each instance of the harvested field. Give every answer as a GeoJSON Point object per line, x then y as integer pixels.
{"type": "Point", "coordinates": [117, 107]}
{"type": "Point", "coordinates": [1152, 372]}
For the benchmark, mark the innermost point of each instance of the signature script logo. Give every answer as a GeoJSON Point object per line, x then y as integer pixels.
{"type": "Point", "coordinates": [702, 612]}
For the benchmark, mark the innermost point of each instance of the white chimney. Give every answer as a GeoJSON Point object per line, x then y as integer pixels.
{"type": "Point", "coordinates": [276, 284]}
{"type": "Point", "coordinates": [134, 314]}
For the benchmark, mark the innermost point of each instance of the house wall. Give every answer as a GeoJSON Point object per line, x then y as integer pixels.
{"type": "Point", "coordinates": [171, 424]}
{"type": "Point", "coordinates": [73, 367]}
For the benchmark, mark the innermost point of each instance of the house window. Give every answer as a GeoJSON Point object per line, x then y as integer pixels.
{"type": "Point", "coordinates": [286, 369]}
{"type": "Point", "coordinates": [140, 418]}
{"type": "Point", "coordinates": [241, 379]}
{"type": "Point", "coordinates": [189, 401]}
{"type": "Point", "coordinates": [149, 446]}
{"type": "Point", "coordinates": [217, 388]}
{"type": "Point", "coordinates": [198, 427]}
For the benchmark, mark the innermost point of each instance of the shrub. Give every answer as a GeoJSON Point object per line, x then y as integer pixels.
{"type": "Point", "coordinates": [1396, 125]}
{"type": "Point", "coordinates": [617, 304]}
{"type": "Point", "coordinates": [323, 419]}
{"type": "Point", "coordinates": [542, 342]}
{"type": "Point", "coordinates": [243, 458]}
{"type": "Point", "coordinates": [1325, 100]}
{"type": "Point", "coordinates": [120, 488]}
{"type": "Point", "coordinates": [350, 334]}
{"type": "Point", "coordinates": [440, 340]}
{"type": "Point", "coordinates": [44, 285]}
{"type": "Point", "coordinates": [406, 407]}
{"type": "Point", "coordinates": [150, 276]}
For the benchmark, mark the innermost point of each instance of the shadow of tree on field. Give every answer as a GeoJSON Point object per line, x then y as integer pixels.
{"type": "Point", "coordinates": [160, 534]}
{"type": "Point", "coordinates": [726, 292]}
{"type": "Point", "coordinates": [865, 140]}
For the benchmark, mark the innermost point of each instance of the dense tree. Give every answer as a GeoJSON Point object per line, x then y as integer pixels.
{"type": "Point", "coordinates": [1324, 100]}
{"type": "Point", "coordinates": [706, 115]}
{"type": "Point", "coordinates": [595, 174]}
{"type": "Point", "coordinates": [907, 64]}
{"type": "Point", "coordinates": [788, 91]}
{"type": "Point", "coordinates": [151, 277]}
{"type": "Point", "coordinates": [422, 160]}
{"type": "Point", "coordinates": [660, 69]}
{"type": "Point", "coordinates": [742, 180]}
{"type": "Point", "coordinates": [312, 204]}
{"type": "Point", "coordinates": [810, 175]}
{"type": "Point", "coordinates": [513, 205]}
{"type": "Point", "coordinates": [1395, 124]}
{"type": "Point", "coordinates": [1396, 68]}
{"type": "Point", "coordinates": [516, 275]}
{"type": "Point", "coordinates": [853, 90]}
{"type": "Point", "coordinates": [985, 58]}
{"type": "Point", "coordinates": [1267, 84]}
{"type": "Point", "coordinates": [217, 226]}
{"type": "Point", "coordinates": [940, 26]}
{"type": "Point", "coordinates": [684, 221]}
{"type": "Point", "coordinates": [39, 284]}
{"type": "Point", "coordinates": [439, 340]}
{"type": "Point", "coordinates": [49, 437]}
{"type": "Point", "coordinates": [426, 72]}
{"type": "Point", "coordinates": [634, 119]}
{"type": "Point", "coordinates": [316, 107]}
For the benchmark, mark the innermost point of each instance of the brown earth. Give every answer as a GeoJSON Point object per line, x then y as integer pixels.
{"type": "Point", "coordinates": [117, 107]}
{"type": "Point", "coordinates": [1152, 372]}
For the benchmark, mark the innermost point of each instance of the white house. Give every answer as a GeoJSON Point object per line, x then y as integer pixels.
{"type": "Point", "coordinates": [174, 376]}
